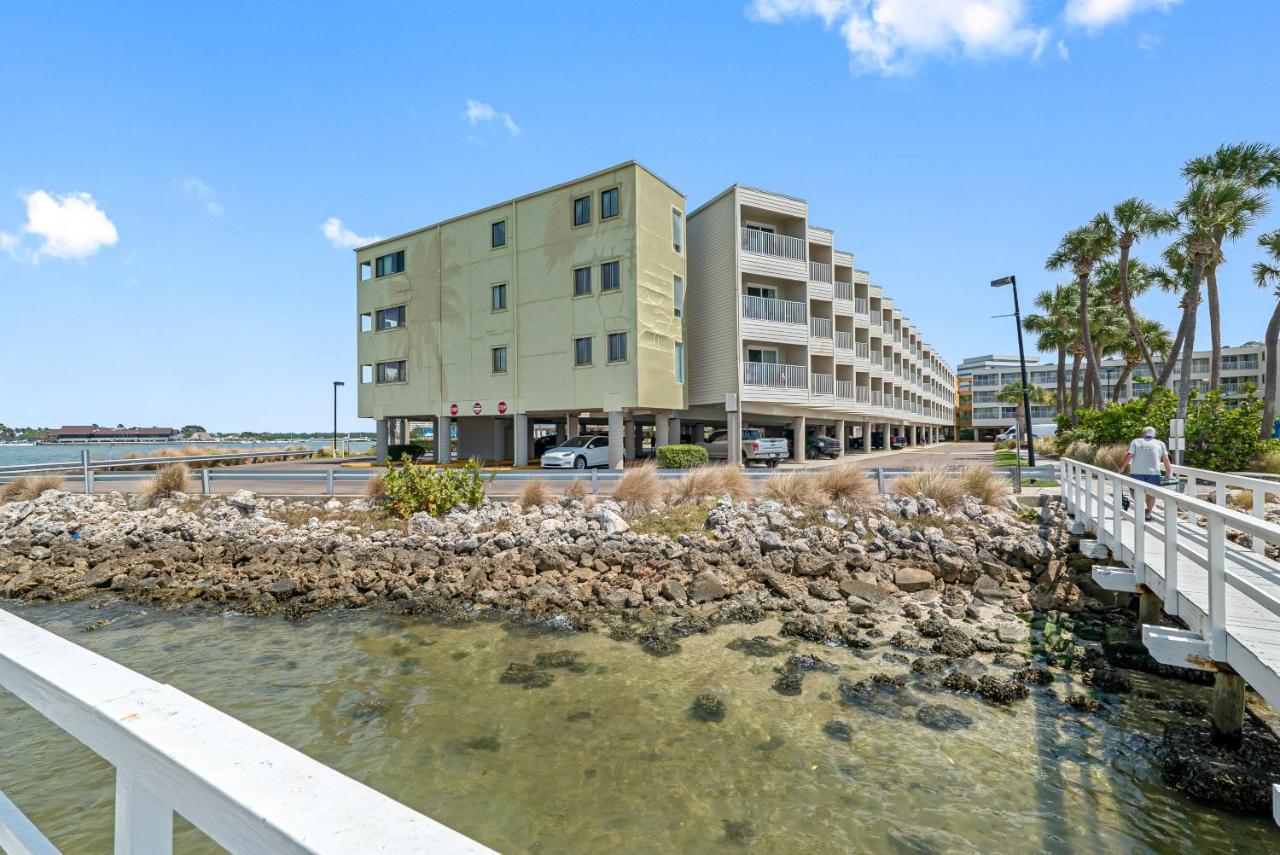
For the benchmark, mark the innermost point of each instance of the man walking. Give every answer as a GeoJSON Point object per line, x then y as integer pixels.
{"type": "Point", "coordinates": [1144, 460]}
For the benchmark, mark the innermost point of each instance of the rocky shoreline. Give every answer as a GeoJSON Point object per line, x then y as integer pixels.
{"type": "Point", "coordinates": [974, 598]}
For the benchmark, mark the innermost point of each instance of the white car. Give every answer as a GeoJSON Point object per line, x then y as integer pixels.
{"type": "Point", "coordinates": [578, 453]}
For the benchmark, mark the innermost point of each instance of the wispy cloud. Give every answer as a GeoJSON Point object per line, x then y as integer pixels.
{"type": "Point", "coordinates": [342, 237]}
{"type": "Point", "coordinates": [197, 189]}
{"type": "Point", "coordinates": [70, 225]}
{"type": "Point", "coordinates": [1095, 14]}
{"type": "Point", "coordinates": [1063, 50]}
{"type": "Point", "coordinates": [1148, 41]}
{"type": "Point", "coordinates": [478, 112]}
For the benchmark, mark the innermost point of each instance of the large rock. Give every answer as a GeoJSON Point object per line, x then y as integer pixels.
{"type": "Point", "coordinates": [245, 501]}
{"type": "Point", "coordinates": [912, 579]}
{"type": "Point", "coordinates": [707, 587]}
{"type": "Point", "coordinates": [610, 522]}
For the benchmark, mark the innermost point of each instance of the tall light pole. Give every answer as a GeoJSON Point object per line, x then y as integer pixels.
{"type": "Point", "coordinates": [1022, 359]}
{"type": "Point", "coordinates": [336, 384]}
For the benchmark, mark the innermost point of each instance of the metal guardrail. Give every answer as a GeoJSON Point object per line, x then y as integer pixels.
{"type": "Point", "coordinates": [87, 464]}
{"type": "Point", "coordinates": [175, 754]}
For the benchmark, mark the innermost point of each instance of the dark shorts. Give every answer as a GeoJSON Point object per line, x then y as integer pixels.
{"type": "Point", "coordinates": [1150, 479]}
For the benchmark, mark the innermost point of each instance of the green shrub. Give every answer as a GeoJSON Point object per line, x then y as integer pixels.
{"type": "Point", "coordinates": [410, 489]}
{"type": "Point", "coordinates": [681, 456]}
{"type": "Point", "coordinates": [1003, 444]}
{"type": "Point", "coordinates": [415, 450]}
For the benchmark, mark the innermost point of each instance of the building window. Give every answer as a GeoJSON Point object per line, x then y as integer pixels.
{"type": "Point", "coordinates": [581, 281]}
{"type": "Point", "coordinates": [389, 319]}
{"type": "Point", "coordinates": [366, 373]}
{"type": "Point", "coordinates": [610, 276]}
{"type": "Point", "coordinates": [677, 295]}
{"type": "Point", "coordinates": [385, 265]}
{"type": "Point", "coordinates": [391, 372]}
{"type": "Point", "coordinates": [617, 347]}
{"type": "Point", "coordinates": [609, 203]}
{"type": "Point", "coordinates": [498, 356]}
{"type": "Point", "coordinates": [366, 322]}
{"type": "Point", "coordinates": [366, 271]}
{"type": "Point", "coordinates": [498, 297]}
{"type": "Point", "coordinates": [679, 362]}
{"type": "Point", "coordinates": [582, 210]}
{"type": "Point", "coordinates": [582, 351]}
{"type": "Point", "coordinates": [498, 234]}
{"type": "Point", "coordinates": [677, 230]}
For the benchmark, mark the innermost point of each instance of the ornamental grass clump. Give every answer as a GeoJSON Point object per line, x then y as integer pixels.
{"type": "Point", "coordinates": [578, 491]}
{"type": "Point", "coordinates": [796, 490]}
{"type": "Point", "coordinates": [847, 484]}
{"type": "Point", "coordinates": [29, 488]}
{"type": "Point", "coordinates": [1110, 457]}
{"type": "Point", "coordinates": [731, 481]}
{"type": "Point", "coordinates": [933, 482]}
{"type": "Point", "coordinates": [639, 487]}
{"type": "Point", "coordinates": [534, 494]}
{"type": "Point", "coordinates": [986, 485]}
{"type": "Point", "coordinates": [171, 478]}
{"type": "Point", "coordinates": [374, 488]}
{"type": "Point", "coordinates": [697, 485]}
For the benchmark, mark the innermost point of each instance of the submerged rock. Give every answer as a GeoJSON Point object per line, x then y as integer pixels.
{"type": "Point", "coordinates": [1238, 780]}
{"type": "Point", "coordinates": [482, 743]}
{"type": "Point", "coordinates": [840, 730]}
{"type": "Point", "coordinates": [1001, 691]}
{"type": "Point", "coordinates": [1084, 703]}
{"type": "Point", "coordinates": [760, 645]}
{"type": "Point", "coordinates": [1109, 680]}
{"type": "Point", "coordinates": [788, 683]}
{"type": "Point", "coordinates": [526, 675]}
{"type": "Point", "coordinates": [738, 830]}
{"type": "Point", "coordinates": [560, 659]}
{"type": "Point", "coordinates": [658, 643]}
{"type": "Point", "coordinates": [708, 707]}
{"type": "Point", "coordinates": [942, 717]}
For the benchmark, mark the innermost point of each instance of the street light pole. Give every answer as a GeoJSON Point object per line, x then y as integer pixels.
{"type": "Point", "coordinates": [336, 384]}
{"type": "Point", "coordinates": [1022, 360]}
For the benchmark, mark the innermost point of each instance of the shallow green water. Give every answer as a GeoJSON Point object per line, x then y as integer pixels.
{"type": "Point", "coordinates": [608, 758]}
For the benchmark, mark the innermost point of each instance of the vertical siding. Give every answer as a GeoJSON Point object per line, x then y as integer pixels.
{"type": "Point", "coordinates": [712, 302]}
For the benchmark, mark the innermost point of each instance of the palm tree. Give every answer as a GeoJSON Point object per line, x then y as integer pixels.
{"type": "Point", "coordinates": [1110, 331]}
{"type": "Point", "coordinates": [1155, 336]}
{"type": "Point", "coordinates": [1254, 167]}
{"type": "Point", "coordinates": [1174, 277]}
{"type": "Point", "coordinates": [1011, 393]}
{"type": "Point", "coordinates": [1268, 273]}
{"type": "Point", "coordinates": [1055, 330]}
{"type": "Point", "coordinates": [1133, 219]}
{"type": "Point", "coordinates": [1080, 250]}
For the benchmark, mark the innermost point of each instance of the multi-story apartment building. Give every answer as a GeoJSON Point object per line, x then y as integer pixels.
{"type": "Point", "coordinates": [989, 374]}
{"type": "Point", "coordinates": [557, 308]}
{"type": "Point", "coordinates": [787, 335]}
{"type": "Point", "coordinates": [964, 406]}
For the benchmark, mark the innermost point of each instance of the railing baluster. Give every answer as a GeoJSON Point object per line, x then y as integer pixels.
{"type": "Point", "coordinates": [1140, 534]}
{"type": "Point", "coordinates": [144, 824]}
{"type": "Point", "coordinates": [1259, 511]}
{"type": "Point", "coordinates": [1170, 556]}
{"type": "Point", "coordinates": [1217, 571]}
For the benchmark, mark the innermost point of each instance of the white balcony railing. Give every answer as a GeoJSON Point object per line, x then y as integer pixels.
{"type": "Point", "coordinates": [876, 357]}
{"type": "Point", "coordinates": [860, 305]}
{"type": "Point", "coordinates": [820, 327]}
{"type": "Point", "coordinates": [821, 384]}
{"type": "Point", "coordinates": [844, 340]}
{"type": "Point", "coordinates": [877, 398]}
{"type": "Point", "coordinates": [887, 326]}
{"type": "Point", "coordinates": [845, 389]}
{"type": "Point", "coordinates": [773, 374]}
{"type": "Point", "coordinates": [767, 243]}
{"type": "Point", "coordinates": [863, 350]}
{"type": "Point", "coordinates": [864, 394]}
{"type": "Point", "coordinates": [876, 316]}
{"type": "Point", "coordinates": [778, 311]}
{"type": "Point", "coordinates": [844, 291]}
{"type": "Point", "coordinates": [819, 272]}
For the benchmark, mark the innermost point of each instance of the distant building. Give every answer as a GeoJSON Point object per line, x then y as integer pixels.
{"type": "Point", "coordinates": [93, 433]}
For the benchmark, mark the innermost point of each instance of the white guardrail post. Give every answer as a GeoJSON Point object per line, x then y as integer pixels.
{"type": "Point", "coordinates": [204, 480]}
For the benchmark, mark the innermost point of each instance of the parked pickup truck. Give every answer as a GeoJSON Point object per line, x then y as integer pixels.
{"type": "Point", "coordinates": [756, 447]}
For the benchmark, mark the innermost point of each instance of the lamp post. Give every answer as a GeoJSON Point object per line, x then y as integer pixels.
{"type": "Point", "coordinates": [1022, 360]}
{"type": "Point", "coordinates": [336, 384]}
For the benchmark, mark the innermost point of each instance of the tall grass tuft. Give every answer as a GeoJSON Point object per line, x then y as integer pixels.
{"type": "Point", "coordinates": [639, 487]}
{"type": "Point", "coordinates": [1110, 457]}
{"type": "Point", "coordinates": [933, 482]}
{"type": "Point", "coordinates": [988, 486]}
{"type": "Point", "coordinates": [1268, 461]}
{"type": "Point", "coordinates": [29, 487]}
{"type": "Point", "coordinates": [534, 494]}
{"type": "Point", "coordinates": [1082, 451]}
{"type": "Point", "coordinates": [848, 485]}
{"type": "Point", "coordinates": [578, 491]}
{"type": "Point", "coordinates": [796, 490]}
{"type": "Point", "coordinates": [374, 488]}
{"type": "Point", "coordinates": [171, 478]}
{"type": "Point", "coordinates": [731, 482]}
{"type": "Point", "coordinates": [696, 485]}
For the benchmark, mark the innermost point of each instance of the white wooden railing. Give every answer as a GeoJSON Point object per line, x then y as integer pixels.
{"type": "Point", "coordinates": [773, 374]}
{"type": "Point", "coordinates": [778, 311]}
{"type": "Point", "coordinates": [820, 384]}
{"type": "Point", "coordinates": [845, 389]}
{"type": "Point", "coordinates": [819, 272]}
{"type": "Point", "coordinates": [844, 291]}
{"type": "Point", "coordinates": [1223, 483]}
{"type": "Point", "coordinates": [844, 340]}
{"type": "Point", "coordinates": [767, 243]}
{"type": "Point", "coordinates": [175, 754]}
{"type": "Point", "coordinates": [820, 327]}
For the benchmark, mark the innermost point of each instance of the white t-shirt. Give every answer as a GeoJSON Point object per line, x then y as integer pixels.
{"type": "Point", "coordinates": [1148, 456]}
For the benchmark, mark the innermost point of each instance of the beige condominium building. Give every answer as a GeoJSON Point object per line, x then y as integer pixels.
{"type": "Point", "coordinates": [560, 310]}
{"type": "Point", "coordinates": [785, 334]}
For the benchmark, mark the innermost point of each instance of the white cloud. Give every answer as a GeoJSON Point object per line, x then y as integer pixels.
{"type": "Point", "coordinates": [1096, 14]}
{"type": "Point", "coordinates": [892, 36]}
{"type": "Point", "coordinates": [73, 226]}
{"type": "Point", "coordinates": [478, 112]}
{"type": "Point", "coordinates": [1063, 51]}
{"type": "Point", "coordinates": [342, 237]}
{"type": "Point", "coordinates": [197, 189]}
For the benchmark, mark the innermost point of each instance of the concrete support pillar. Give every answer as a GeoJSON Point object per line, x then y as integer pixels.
{"type": "Point", "coordinates": [631, 434]}
{"type": "Point", "coordinates": [404, 431]}
{"type": "Point", "coordinates": [866, 437]}
{"type": "Point", "coordinates": [499, 439]}
{"type": "Point", "coordinates": [662, 430]}
{"type": "Point", "coordinates": [1227, 713]}
{"type": "Point", "coordinates": [561, 434]}
{"type": "Point", "coordinates": [797, 431]}
{"type": "Point", "coordinates": [444, 451]}
{"type": "Point", "coordinates": [380, 441]}
{"type": "Point", "coordinates": [571, 425]}
{"type": "Point", "coordinates": [911, 435]}
{"type": "Point", "coordinates": [673, 430]}
{"type": "Point", "coordinates": [840, 435]}
{"type": "Point", "coordinates": [733, 441]}
{"type": "Point", "coordinates": [520, 454]}
{"type": "Point", "coordinates": [617, 443]}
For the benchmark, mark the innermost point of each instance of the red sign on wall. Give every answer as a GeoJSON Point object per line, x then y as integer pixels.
{"type": "Point", "coordinates": [502, 408]}
{"type": "Point", "coordinates": [476, 408]}
{"type": "Point", "coordinates": [453, 409]}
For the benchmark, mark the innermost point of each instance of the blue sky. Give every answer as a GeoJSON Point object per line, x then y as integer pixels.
{"type": "Point", "coordinates": [166, 171]}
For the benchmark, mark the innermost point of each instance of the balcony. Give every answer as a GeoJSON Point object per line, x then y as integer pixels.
{"type": "Point", "coordinates": [877, 398]}
{"type": "Point", "coordinates": [876, 316]}
{"type": "Point", "coordinates": [844, 291]}
{"type": "Point", "coordinates": [845, 389]}
{"type": "Point", "coordinates": [821, 384]}
{"type": "Point", "coordinates": [819, 272]}
{"type": "Point", "coordinates": [820, 327]}
{"type": "Point", "coordinates": [887, 326]}
{"type": "Point", "coordinates": [776, 311]}
{"type": "Point", "coordinates": [877, 358]}
{"type": "Point", "coordinates": [844, 340]}
{"type": "Point", "coordinates": [775, 375]}
{"type": "Point", "coordinates": [859, 305]}
{"type": "Point", "coordinates": [864, 394]}
{"type": "Point", "coordinates": [863, 350]}
{"type": "Point", "coordinates": [767, 243]}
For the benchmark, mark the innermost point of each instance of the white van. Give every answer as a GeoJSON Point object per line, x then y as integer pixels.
{"type": "Point", "coordinates": [1045, 431]}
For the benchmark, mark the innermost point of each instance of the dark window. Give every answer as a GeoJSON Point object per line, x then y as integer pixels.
{"type": "Point", "coordinates": [582, 351]}
{"type": "Point", "coordinates": [617, 347]}
{"type": "Point", "coordinates": [609, 203]}
{"type": "Point", "coordinates": [610, 276]}
{"type": "Point", "coordinates": [391, 372]}
{"type": "Point", "coordinates": [385, 265]}
{"type": "Point", "coordinates": [677, 295]}
{"type": "Point", "coordinates": [388, 319]}
{"type": "Point", "coordinates": [498, 297]}
{"type": "Point", "coordinates": [498, 234]}
{"type": "Point", "coordinates": [677, 230]}
{"type": "Point", "coordinates": [581, 281]}
{"type": "Point", "coordinates": [499, 355]}
{"type": "Point", "coordinates": [582, 210]}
